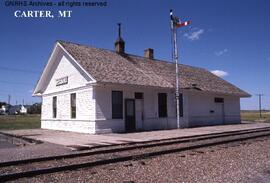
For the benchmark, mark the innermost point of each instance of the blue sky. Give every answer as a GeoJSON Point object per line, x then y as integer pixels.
{"type": "Point", "coordinates": [225, 35]}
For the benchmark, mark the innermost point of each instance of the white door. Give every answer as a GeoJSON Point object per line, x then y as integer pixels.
{"type": "Point", "coordinates": [219, 114]}
{"type": "Point", "coordinates": [139, 114]}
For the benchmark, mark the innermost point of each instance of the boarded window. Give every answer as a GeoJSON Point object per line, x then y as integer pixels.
{"type": "Point", "coordinates": [54, 107]}
{"type": "Point", "coordinates": [73, 105]}
{"type": "Point", "coordinates": [138, 95]}
{"type": "Point", "coordinates": [117, 104]}
{"type": "Point", "coordinates": [162, 105]}
{"type": "Point", "coordinates": [219, 100]}
{"type": "Point", "coordinates": [181, 105]}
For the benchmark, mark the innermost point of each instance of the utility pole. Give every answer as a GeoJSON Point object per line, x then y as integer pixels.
{"type": "Point", "coordinates": [260, 103]}
{"type": "Point", "coordinates": [175, 59]}
{"type": "Point", "coordinates": [176, 23]}
{"type": "Point", "coordinates": [9, 98]}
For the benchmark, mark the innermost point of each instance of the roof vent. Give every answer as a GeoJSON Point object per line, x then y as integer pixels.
{"type": "Point", "coordinates": [149, 53]}
{"type": "Point", "coordinates": [119, 43]}
{"type": "Point", "coordinates": [196, 87]}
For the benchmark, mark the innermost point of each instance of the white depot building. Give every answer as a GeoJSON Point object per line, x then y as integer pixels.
{"type": "Point", "coordinates": [92, 90]}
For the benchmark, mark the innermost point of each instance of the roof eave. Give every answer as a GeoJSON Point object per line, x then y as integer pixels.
{"type": "Point", "coordinates": [36, 91]}
{"type": "Point", "coordinates": [57, 46]}
{"type": "Point", "coordinates": [71, 56]}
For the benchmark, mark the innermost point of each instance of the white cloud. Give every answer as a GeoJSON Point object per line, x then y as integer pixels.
{"type": "Point", "coordinates": [221, 52]}
{"type": "Point", "coordinates": [195, 35]}
{"type": "Point", "coordinates": [220, 73]}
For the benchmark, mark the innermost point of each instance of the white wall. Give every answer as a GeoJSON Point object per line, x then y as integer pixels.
{"type": "Point", "coordinates": [94, 113]}
{"type": "Point", "coordinates": [105, 123]}
{"type": "Point", "coordinates": [232, 110]}
{"type": "Point", "coordinates": [85, 101]}
{"type": "Point", "coordinates": [85, 111]}
{"type": "Point", "coordinates": [65, 67]}
{"type": "Point", "coordinates": [200, 104]}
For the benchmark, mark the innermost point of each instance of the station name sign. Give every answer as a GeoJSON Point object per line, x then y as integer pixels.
{"type": "Point", "coordinates": [62, 81]}
{"type": "Point", "coordinates": [51, 9]}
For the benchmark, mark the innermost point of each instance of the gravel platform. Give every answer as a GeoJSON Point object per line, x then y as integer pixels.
{"type": "Point", "coordinates": [247, 161]}
{"type": "Point", "coordinates": [72, 139]}
{"type": "Point", "coordinates": [11, 152]}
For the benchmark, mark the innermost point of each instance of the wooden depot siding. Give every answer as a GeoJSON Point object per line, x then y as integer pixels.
{"type": "Point", "coordinates": [64, 67]}
{"type": "Point", "coordinates": [105, 123]}
{"type": "Point", "coordinates": [94, 73]}
{"type": "Point", "coordinates": [204, 111]}
{"type": "Point", "coordinates": [232, 110]}
{"type": "Point", "coordinates": [85, 108]}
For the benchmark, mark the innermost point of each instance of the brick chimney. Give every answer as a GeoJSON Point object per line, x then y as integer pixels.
{"type": "Point", "coordinates": [119, 43]}
{"type": "Point", "coordinates": [149, 53]}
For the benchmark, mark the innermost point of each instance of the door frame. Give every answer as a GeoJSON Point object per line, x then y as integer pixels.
{"type": "Point", "coordinates": [223, 113]}
{"type": "Point", "coordinates": [139, 96]}
{"type": "Point", "coordinates": [220, 102]}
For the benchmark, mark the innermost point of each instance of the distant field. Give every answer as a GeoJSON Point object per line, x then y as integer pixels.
{"type": "Point", "coordinates": [255, 116]}
{"type": "Point", "coordinates": [13, 122]}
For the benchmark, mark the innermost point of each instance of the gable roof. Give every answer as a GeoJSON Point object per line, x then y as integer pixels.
{"type": "Point", "coordinates": [107, 66]}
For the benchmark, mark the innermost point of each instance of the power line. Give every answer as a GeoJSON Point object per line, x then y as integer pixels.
{"type": "Point", "coordinates": [19, 70]}
{"type": "Point", "coordinates": [18, 83]}
{"type": "Point", "coordinates": [17, 90]}
{"type": "Point", "coordinates": [19, 94]}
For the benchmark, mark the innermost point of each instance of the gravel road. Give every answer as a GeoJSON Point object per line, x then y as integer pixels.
{"type": "Point", "coordinates": [247, 161]}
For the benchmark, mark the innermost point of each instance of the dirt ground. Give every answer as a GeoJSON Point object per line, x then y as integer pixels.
{"type": "Point", "coordinates": [247, 161]}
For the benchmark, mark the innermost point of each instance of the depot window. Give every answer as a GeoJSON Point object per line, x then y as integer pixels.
{"type": "Point", "coordinates": [162, 105]}
{"type": "Point", "coordinates": [219, 100]}
{"type": "Point", "coordinates": [73, 105]}
{"type": "Point", "coordinates": [54, 107]}
{"type": "Point", "coordinates": [117, 105]}
{"type": "Point", "coordinates": [181, 105]}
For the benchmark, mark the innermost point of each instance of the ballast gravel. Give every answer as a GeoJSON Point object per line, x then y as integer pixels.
{"type": "Point", "coordinates": [247, 161]}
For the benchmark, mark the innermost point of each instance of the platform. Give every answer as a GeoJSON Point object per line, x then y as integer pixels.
{"type": "Point", "coordinates": [60, 143]}
{"type": "Point", "coordinates": [70, 139]}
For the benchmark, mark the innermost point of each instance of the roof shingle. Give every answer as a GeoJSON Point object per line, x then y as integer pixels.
{"type": "Point", "coordinates": [110, 67]}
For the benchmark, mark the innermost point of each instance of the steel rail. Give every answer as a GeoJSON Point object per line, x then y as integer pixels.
{"type": "Point", "coordinates": [30, 173]}
{"type": "Point", "coordinates": [135, 145]}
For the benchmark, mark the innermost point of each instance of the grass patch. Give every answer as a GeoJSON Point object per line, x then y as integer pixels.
{"type": "Point", "coordinates": [255, 116]}
{"type": "Point", "coordinates": [14, 122]}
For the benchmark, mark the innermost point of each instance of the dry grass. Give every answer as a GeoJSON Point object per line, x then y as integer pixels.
{"type": "Point", "coordinates": [12, 122]}
{"type": "Point", "coordinates": [255, 116]}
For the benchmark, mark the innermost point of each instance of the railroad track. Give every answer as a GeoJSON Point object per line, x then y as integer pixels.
{"type": "Point", "coordinates": [120, 153]}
